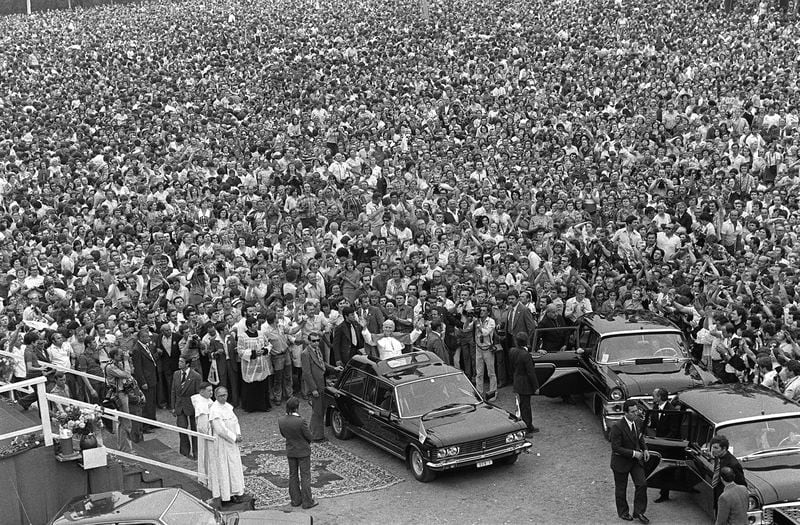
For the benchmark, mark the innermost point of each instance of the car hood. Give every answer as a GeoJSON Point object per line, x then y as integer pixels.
{"type": "Point", "coordinates": [470, 425]}
{"type": "Point", "coordinates": [775, 478]}
{"type": "Point", "coordinates": [640, 380]}
{"type": "Point", "coordinates": [259, 517]}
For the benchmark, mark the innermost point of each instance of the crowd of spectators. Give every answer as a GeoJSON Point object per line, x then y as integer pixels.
{"type": "Point", "coordinates": [218, 180]}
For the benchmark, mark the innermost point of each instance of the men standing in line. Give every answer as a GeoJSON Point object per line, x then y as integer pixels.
{"type": "Point", "coordinates": [145, 371]}
{"type": "Point", "coordinates": [628, 455]}
{"type": "Point", "coordinates": [298, 452]}
{"type": "Point", "coordinates": [185, 384]}
{"type": "Point", "coordinates": [524, 379]}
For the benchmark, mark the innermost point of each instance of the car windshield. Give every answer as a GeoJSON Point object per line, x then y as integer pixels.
{"type": "Point", "coordinates": [763, 436]}
{"type": "Point", "coordinates": [186, 510]}
{"type": "Point", "coordinates": [651, 345]}
{"type": "Point", "coordinates": [420, 397]}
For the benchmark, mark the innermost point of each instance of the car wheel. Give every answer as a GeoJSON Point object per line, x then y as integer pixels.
{"type": "Point", "coordinates": [416, 462]}
{"type": "Point", "coordinates": [509, 460]}
{"type": "Point", "coordinates": [340, 429]}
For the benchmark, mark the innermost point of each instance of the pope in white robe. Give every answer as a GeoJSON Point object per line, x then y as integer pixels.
{"type": "Point", "coordinates": [390, 343]}
{"type": "Point", "coordinates": [226, 475]}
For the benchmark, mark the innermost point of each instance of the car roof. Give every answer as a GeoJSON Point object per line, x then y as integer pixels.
{"type": "Point", "coordinates": [404, 368]}
{"type": "Point", "coordinates": [724, 403]}
{"type": "Point", "coordinates": [129, 505]}
{"type": "Point", "coordinates": [626, 321]}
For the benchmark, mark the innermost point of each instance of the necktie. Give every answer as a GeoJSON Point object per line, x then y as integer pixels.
{"type": "Point", "coordinates": [513, 315]}
{"type": "Point", "coordinates": [185, 374]}
{"type": "Point", "coordinates": [715, 477]}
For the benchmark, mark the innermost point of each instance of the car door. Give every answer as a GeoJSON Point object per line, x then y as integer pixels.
{"type": "Point", "coordinates": [349, 398]}
{"type": "Point", "coordinates": [677, 468]}
{"type": "Point", "coordinates": [560, 373]}
{"type": "Point", "coordinates": [383, 418]}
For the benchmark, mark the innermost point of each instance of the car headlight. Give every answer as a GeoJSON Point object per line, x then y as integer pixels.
{"type": "Point", "coordinates": [617, 395]}
{"type": "Point", "coordinates": [515, 436]}
{"type": "Point", "coordinates": [447, 452]}
{"type": "Point", "coordinates": [753, 503]}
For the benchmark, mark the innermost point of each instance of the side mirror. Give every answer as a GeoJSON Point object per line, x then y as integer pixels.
{"type": "Point", "coordinates": [380, 413]}
{"type": "Point", "coordinates": [580, 351]}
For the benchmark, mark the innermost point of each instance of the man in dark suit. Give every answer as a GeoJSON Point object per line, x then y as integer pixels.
{"type": "Point", "coordinates": [719, 446]}
{"type": "Point", "coordinates": [435, 342]}
{"type": "Point", "coordinates": [168, 352]}
{"type": "Point", "coordinates": [347, 338]}
{"type": "Point", "coordinates": [298, 452]}
{"type": "Point", "coordinates": [145, 371]}
{"type": "Point", "coordinates": [185, 384]}
{"type": "Point", "coordinates": [663, 422]}
{"type": "Point", "coordinates": [520, 319]}
{"type": "Point", "coordinates": [628, 455]}
{"type": "Point", "coordinates": [524, 379]}
{"type": "Point", "coordinates": [314, 368]}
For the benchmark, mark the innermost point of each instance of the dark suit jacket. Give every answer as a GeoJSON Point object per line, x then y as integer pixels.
{"type": "Point", "coordinates": [313, 371]}
{"type": "Point", "coordinates": [182, 392]}
{"type": "Point", "coordinates": [437, 346]}
{"type": "Point", "coordinates": [298, 436]}
{"type": "Point", "coordinates": [666, 423]}
{"type": "Point", "coordinates": [145, 368]}
{"type": "Point", "coordinates": [523, 322]}
{"type": "Point", "coordinates": [342, 342]}
{"type": "Point", "coordinates": [168, 361]}
{"type": "Point", "coordinates": [525, 381]}
{"type": "Point", "coordinates": [624, 443]}
{"type": "Point", "coordinates": [729, 460]}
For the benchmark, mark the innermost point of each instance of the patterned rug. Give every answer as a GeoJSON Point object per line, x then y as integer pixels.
{"type": "Point", "coordinates": [334, 472]}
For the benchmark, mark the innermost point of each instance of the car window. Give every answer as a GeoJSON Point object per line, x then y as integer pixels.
{"type": "Point", "coordinates": [420, 397]}
{"type": "Point", "coordinates": [762, 436]}
{"type": "Point", "coordinates": [369, 388]}
{"type": "Point", "coordinates": [384, 398]}
{"type": "Point", "coordinates": [701, 430]}
{"type": "Point", "coordinates": [354, 383]}
{"type": "Point", "coordinates": [186, 510]}
{"type": "Point", "coordinates": [588, 341]}
{"type": "Point", "coordinates": [640, 346]}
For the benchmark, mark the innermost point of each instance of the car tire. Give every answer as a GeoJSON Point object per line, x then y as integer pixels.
{"type": "Point", "coordinates": [339, 426]}
{"type": "Point", "coordinates": [509, 460]}
{"type": "Point", "coordinates": [416, 462]}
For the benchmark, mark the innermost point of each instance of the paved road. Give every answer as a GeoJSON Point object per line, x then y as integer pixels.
{"type": "Point", "coordinates": [565, 479]}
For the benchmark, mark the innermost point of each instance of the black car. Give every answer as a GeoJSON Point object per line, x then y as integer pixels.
{"type": "Point", "coordinates": [614, 357]}
{"type": "Point", "coordinates": [166, 506]}
{"type": "Point", "coordinates": [763, 429]}
{"type": "Point", "coordinates": [423, 411]}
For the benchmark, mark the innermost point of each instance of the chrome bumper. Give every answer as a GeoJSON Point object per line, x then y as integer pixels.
{"type": "Point", "coordinates": [764, 516]}
{"type": "Point", "coordinates": [472, 459]}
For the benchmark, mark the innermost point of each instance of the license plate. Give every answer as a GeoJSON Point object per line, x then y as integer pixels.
{"type": "Point", "coordinates": [484, 463]}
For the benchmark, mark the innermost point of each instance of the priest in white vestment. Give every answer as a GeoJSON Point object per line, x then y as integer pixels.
{"type": "Point", "coordinates": [226, 475]}
{"type": "Point", "coordinates": [390, 343]}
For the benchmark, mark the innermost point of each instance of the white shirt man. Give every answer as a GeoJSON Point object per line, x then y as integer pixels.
{"type": "Point", "coordinates": [577, 306]}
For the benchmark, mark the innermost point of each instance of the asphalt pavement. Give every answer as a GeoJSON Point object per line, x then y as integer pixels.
{"type": "Point", "coordinates": [565, 479]}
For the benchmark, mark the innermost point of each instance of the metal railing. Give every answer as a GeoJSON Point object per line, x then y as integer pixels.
{"type": "Point", "coordinates": [42, 396]}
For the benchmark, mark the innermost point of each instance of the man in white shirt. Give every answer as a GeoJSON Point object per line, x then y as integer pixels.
{"type": "Point", "coordinates": [792, 390]}
{"type": "Point", "coordinates": [483, 330]}
{"type": "Point", "coordinates": [668, 242]}
{"type": "Point", "coordinates": [578, 305]}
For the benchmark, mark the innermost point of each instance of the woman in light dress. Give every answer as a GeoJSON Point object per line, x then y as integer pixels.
{"type": "Point", "coordinates": [202, 402]}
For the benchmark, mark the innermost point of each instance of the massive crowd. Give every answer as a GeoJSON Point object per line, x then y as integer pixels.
{"type": "Point", "coordinates": [228, 182]}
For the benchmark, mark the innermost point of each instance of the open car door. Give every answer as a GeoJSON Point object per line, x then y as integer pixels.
{"type": "Point", "coordinates": [561, 371]}
{"type": "Point", "coordinates": [667, 436]}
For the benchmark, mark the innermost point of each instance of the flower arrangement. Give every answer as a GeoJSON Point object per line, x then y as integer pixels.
{"type": "Point", "coordinates": [6, 368]}
{"type": "Point", "coordinates": [76, 420]}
